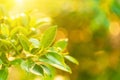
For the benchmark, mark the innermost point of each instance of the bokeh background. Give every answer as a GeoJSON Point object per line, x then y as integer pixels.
{"type": "Point", "coordinates": [92, 28]}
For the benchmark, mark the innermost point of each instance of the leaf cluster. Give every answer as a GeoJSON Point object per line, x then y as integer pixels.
{"type": "Point", "coordinates": [22, 43]}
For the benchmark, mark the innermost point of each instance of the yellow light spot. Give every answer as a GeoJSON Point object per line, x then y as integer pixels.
{"type": "Point", "coordinates": [59, 77]}
{"type": "Point", "coordinates": [47, 19]}
{"type": "Point", "coordinates": [22, 14]}
{"type": "Point", "coordinates": [12, 17]}
{"type": "Point", "coordinates": [114, 29]}
{"type": "Point", "coordinates": [33, 29]}
{"type": "Point", "coordinates": [11, 58]}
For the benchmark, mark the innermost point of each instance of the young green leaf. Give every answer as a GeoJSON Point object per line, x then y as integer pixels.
{"type": "Point", "coordinates": [16, 50]}
{"type": "Point", "coordinates": [24, 42]}
{"type": "Point", "coordinates": [55, 58]}
{"type": "Point", "coordinates": [3, 74]}
{"type": "Point", "coordinates": [14, 31]}
{"type": "Point", "coordinates": [35, 42]}
{"type": "Point", "coordinates": [1, 62]}
{"type": "Point", "coordinates": [46, 69]}
{"type": "Point", "coordinates": [26, 65]}
{"type": "Point", "coordinates": [16, 62]}
{"type": "Point", "coordinates": [34, 50]}
{"type": "Point", "coordinates": [37, 69]}
{"type": "Point", "coordinates": [17, 29]}
{"type": "Point", "coordinates": [24, 19]}
{"type": "Point", "coordinates": [48, 37]}
{"type": "Point", "coordinates": [5, 42]}
{"type": "Point", "coordinates": [4, 58]}
{"type": "Point", "coordinates": [59, 66]}
{"type": "Point", "coordinates": [62, 44]}
{"type": "Point", "coordinates": [71, 59]}
{"type": "Point", "coordinates": [5, 29]}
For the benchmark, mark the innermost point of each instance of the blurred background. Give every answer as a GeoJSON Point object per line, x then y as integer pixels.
{"type": "Point", "coordinates": [92, 28]}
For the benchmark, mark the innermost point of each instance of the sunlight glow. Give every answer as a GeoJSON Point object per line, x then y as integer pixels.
{"type": "Point", "coordinates": [19, 1]}
{"type": "Point", "coordinates": [12, 17]}
{"type": "Point", "coordinates": [59, 77]}
{"type": "Point", "coordinates": [22, 14]}
{"type": "Point", "coordinates": [114, 28]}
{"type": "Point", "coordinates": [46, 19]}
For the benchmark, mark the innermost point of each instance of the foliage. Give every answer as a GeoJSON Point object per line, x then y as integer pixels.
{"type": "Point", "coordinates": [22, 43]}
{"type": "Point", "coordinates": [92, 28]}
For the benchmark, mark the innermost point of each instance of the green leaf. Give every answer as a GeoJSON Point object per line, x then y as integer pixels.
{"type": "Point", "coordinates": [35, 50]}
{"type": "Point", "coordinates": [16, 62]}
{"type": "Point", "coordinates": [3, 74]}
{"type": "Point", "coordinates": [1, 62]}
{"type": "Point", "coordinates": [5, 42]}
{"type": "Point", "coordinates": [59, 66]}
{"type": "Point", "coordinates": [48, 37]}
{"type": "Point", "coordinates": [71, 59]}
{"type": "Point", "coordinates": [18, 29]}
{"type": "Point", "coordinates": [24, 42]}
{"type": "Point", "coordinates": [61, 44]}
{"type": "Point", "coordinates": [5, 29]}
{"type": "Point", "coordinates": [5, 45]}
{"type": "Point", "coordinates": [24, 19]}
{"type": "Point", "coordinates": [46, 69]}
{"type": "Point", "coordinates": [35, 42]}
{"type": "Point", "coordinates": [55, 58]}
{"type": "Point", "coordinates": [16, 50]}
{"type": "Point", "coordinates": [26, 65]}
{"type": "Point", "coordinates": [37, 69]}
{"type": "Point", "coordinates": [14, 31]}
{"type": "Point", "coordinates": [4, 58]}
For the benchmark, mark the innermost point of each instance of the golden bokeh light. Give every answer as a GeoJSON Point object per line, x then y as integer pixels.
{"type": "Point", "coordinates": [114, 28]}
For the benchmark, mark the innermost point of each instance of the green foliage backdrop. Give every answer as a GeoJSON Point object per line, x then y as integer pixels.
{"type": "Point", "coordinates": [92, 28]}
